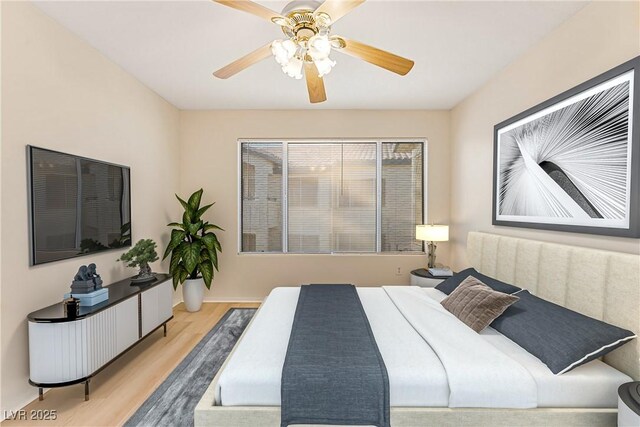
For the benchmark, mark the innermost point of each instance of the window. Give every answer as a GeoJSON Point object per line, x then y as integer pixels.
{"type": "Point", "coordinates": [261, 197]}
{"type": "Point", "coordinates": [303, 191]}
{"type": "Point", "coordinates": [275, 239]}
{"type": "Point", "coordinates": [249, 242]}
{"type": "Point", "coordinates": [355, 193]}
{"type": "Point", "coordinates": [402, 178]}
{"type": "Point", "coordinates": [249, 181]}
{"type": "Point", "coordinates": [331, 196]}
{"type": "Point", "coordinates": [304, 243]}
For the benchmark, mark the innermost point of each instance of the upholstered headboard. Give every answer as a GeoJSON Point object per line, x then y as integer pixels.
{"type": "Point", "coordinates": [600, 284]}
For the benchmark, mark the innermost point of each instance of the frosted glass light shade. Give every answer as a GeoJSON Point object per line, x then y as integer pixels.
{"type": "Point", "coordinates": [432, 233]}
{"type": "Point", "coordinates": [283, 51]}
{"type": "Point", "coordinates": [319, 47]}
{"type": "Point", "coordinates": [293, 68]}
{"type": "Point", "coordinates": [324, 66]}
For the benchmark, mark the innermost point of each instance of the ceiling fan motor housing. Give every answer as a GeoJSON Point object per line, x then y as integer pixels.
{"type": "Point", "coordinates": [301, 5]}
{"type": "Point", "coordinates": [304, 22]}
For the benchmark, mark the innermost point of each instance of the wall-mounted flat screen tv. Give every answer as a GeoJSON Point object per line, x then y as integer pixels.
{"type": "Point", "coordinates": [78, 206]}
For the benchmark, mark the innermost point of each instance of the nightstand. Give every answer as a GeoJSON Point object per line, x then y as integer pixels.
{"type": "Point", "coordinates": [422, 277]}
{"type": "Point", "coordinates": [629, 404]}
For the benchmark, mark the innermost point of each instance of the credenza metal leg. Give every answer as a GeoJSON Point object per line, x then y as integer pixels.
{"type": "Point", "coordinates": [40, 393]}
{"type": "Point", "coordinates": [165, 329]}
{"type": "Point", "coordinates": [86, 390]}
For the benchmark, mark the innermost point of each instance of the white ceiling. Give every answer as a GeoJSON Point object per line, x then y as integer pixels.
{"type": "Point", "coordinates": [174, 46]}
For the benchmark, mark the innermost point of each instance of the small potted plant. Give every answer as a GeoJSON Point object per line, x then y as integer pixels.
{"type": "Point", "coordinates": [140, 256]}
{"type": "Point", "coordinates": [194, 251]}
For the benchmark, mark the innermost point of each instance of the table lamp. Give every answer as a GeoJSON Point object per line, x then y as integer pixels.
{"type": "Point", "coordinates": [431, 234]}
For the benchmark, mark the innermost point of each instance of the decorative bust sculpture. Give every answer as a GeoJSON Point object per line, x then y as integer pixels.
{"type": "Point", "coordinates": [82, 274]}
{"type": "Point", "coordinates": [93, 274]}
{"type": "Point", "coordinates": [86, 280]}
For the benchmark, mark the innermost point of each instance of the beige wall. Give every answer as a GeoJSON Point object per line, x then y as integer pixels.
{"type": "Point", "coordinates": [60, 93]}
{"type": "Point", "coordinates": [599, 37]}
{"type": "Point", "coordinates": [210, 160]}
{"type": "Point", "coordinates": [1, 299]}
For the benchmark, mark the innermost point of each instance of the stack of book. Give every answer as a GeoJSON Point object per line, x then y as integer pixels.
{"type": "Point", "coordinates": [440, 272]}
{"type": "Point", "coordinates": [91, 298]}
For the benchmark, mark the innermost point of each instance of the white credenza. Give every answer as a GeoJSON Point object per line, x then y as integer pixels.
{"type": "Point", "coordinates": [65, 351]}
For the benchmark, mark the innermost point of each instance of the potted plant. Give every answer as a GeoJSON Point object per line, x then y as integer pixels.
{"type": "Point", "coordinates": [194, 251]}
{"type": "Point", "coordinates": [140, 256]}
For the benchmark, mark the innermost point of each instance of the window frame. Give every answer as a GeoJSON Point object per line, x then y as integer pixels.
{"type": "Point", "coordinates": [285, 179]}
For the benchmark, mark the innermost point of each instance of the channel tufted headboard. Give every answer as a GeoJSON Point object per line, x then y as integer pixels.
{"type": "Point", "coordinates": [600, 284]}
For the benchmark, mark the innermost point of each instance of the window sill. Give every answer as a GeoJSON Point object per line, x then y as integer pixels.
{"type": "Point", "coordinates": [399, 253]}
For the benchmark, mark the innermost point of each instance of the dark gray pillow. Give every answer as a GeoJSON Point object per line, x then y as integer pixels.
{"type": "Point", "coordinates": [561, 338]}
{"type": "Point", "coordinates": [452, 282]}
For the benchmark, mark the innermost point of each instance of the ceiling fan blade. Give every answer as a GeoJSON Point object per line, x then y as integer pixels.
{"type": "Point", "coordinates": [244, 62]}
{"type": "Point", "coordinates": [336, 9]}
{"type": "Point", "coordinates": [375, 56]}
{"type": "Point", "coordinates": [255, 9]}
{"type": "Point", "coordinates": [315, 84]}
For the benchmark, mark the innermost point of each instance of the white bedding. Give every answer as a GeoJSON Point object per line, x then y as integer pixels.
{"type": "Point", "coordinates": [592, 385]}
{"type": "Point", "coordinates": [479, 374]}
{"type": "Point", "coordinates": [417, 374]}
{"type": "Point", "coordinates": [252, 376]}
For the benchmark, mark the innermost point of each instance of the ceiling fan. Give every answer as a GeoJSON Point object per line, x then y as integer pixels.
{"type": "Point", "coordinates": [308, 43]}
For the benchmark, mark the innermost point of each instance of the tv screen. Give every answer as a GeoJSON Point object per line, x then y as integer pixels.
{"type": "Point", "coordinates": [78, 206]}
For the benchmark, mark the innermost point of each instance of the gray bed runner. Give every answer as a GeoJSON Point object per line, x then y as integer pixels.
{"type": "Point", "coordinates": [333, 372]}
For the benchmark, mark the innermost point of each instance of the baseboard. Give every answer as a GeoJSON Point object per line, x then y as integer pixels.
{"type": "Point", "coordinates": [225, 301]}
{"type": "Point", "coordinates": [231, 300]}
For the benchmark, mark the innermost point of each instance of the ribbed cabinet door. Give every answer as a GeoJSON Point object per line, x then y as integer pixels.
{"type": "Point", "coordinates": [57, 351]}
{"type": "Point", "coordinates": [101, 338]}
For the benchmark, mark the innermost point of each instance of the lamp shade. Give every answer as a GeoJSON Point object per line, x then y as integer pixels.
{"type": "Point", "coordinates": [432, 233]}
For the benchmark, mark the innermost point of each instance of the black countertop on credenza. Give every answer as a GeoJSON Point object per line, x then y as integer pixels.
{"type": "Point", "coordinates": [118, 292]}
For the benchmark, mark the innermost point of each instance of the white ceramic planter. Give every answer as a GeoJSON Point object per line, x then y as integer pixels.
{"type": "Point", "coordinates": [193, 294]}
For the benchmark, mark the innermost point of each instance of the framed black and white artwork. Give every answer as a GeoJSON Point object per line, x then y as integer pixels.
{"type": "Point", "coordinates": [572, 163]}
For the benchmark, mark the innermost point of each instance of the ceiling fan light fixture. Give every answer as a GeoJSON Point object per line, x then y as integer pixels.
{"type": "Point", "coordinates": [322, 19]}
{"type": "Point", "coordinates": [308, 43]}
{"type": "Point", "coordinates": [337, 42]}
{"type": "Point", "coordinates": [293, 68]}
{"type": "Point", "coordinates": [283, 51]}
{"type": "Point", "coordinates": [324, 66]}
{"type": "Point", "coordinates": [282, 21]}
{"type": "Point", "coordinates": [319, 47]}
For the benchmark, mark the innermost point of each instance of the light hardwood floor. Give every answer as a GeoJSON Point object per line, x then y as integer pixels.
{"type": "Point", "coordinates": [122, 387]}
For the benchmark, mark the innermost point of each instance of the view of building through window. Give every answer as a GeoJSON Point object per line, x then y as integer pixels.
{"type": "Point", "coordinates": [331, 196]}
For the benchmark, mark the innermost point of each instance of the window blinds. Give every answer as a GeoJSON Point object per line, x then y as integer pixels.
{"type": "Point", "coordinates": [402, 192]}
{"type": "Point", "coordinates": [261, 179]}
{"type": "Point", "coordinates": [332, 196]}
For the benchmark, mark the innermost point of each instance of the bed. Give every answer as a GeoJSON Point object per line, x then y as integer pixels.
{"type": "Point", "coordinates": [502, 384]}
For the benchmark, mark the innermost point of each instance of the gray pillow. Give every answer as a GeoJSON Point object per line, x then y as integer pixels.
{"type": "Point", "coordinates": [447, 286]}
{"type": "Point", "coordinates": [476, 304]}
{"type": "Point", "coordinates": [561, 338]}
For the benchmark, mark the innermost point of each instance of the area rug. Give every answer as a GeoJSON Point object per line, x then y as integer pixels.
{"type": "Point", "coordinates": [173, 403]}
